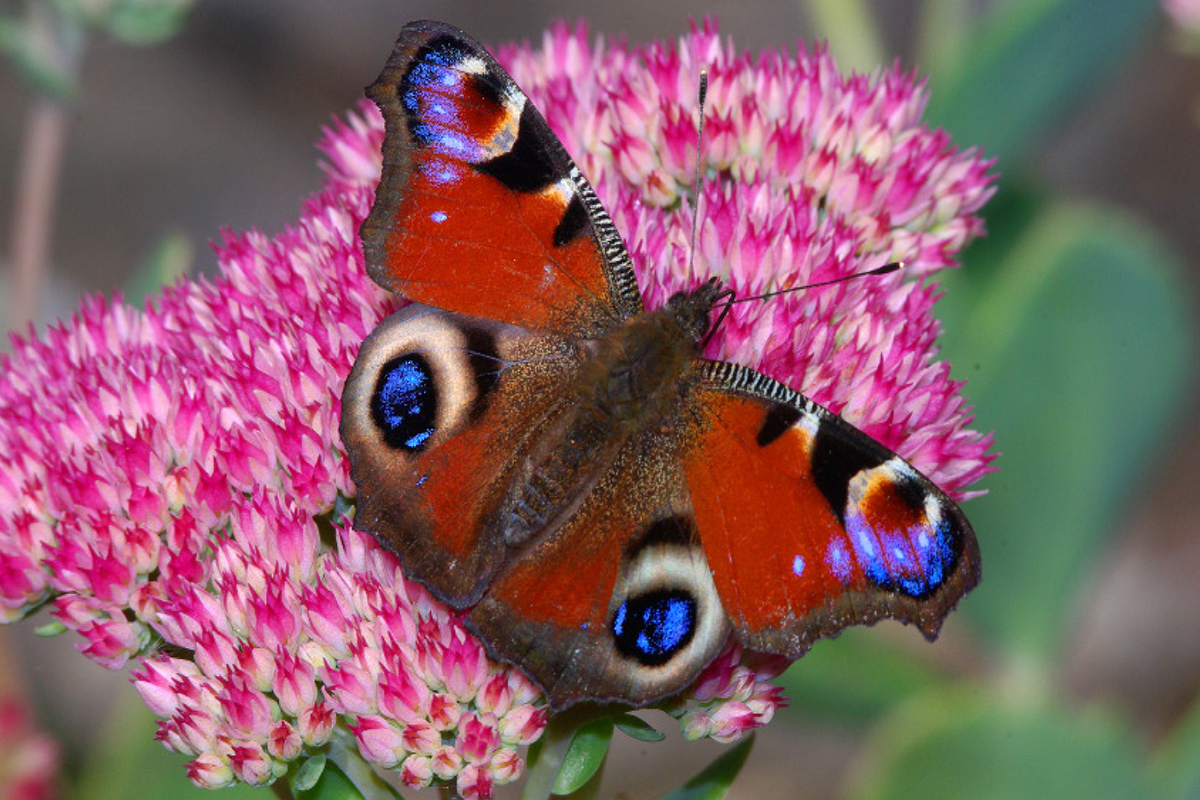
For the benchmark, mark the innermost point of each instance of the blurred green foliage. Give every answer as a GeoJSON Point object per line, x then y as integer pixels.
{"type": "Point", "coordinates": [46, 39]}
{"type": "Point", "coordinates": [1071, 326]}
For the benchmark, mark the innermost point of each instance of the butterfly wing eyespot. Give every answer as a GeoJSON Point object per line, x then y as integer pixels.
{"type": "Point", "coordinates": [428, 398]}
{"type": "Point", "coordinates": [809, 524]}
{"type": "Point", "coordinates": [479, 208]}
{"type": "Point", "coordinates": [664, 616]}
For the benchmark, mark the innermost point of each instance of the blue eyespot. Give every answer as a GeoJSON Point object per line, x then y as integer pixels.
{"type": "Point", "coordinates": [915, 561]}
{"type": "Point", "coordinates": [653, 627]}
{"type": "Point", "coordinates": [404, 405]}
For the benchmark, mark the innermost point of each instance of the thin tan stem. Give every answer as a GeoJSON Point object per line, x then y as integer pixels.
{"type": "Point", "coordinates": [59, 40]}
{"type": "Point", "coordinates": [33, 212]}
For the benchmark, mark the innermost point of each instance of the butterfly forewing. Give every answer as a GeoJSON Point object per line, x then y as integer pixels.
{"type": "Point", "coordinates": [480, 210]}
{"type": "Point", "coordinates": [810, 525]}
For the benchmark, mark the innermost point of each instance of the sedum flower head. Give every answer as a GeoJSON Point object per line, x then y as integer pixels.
{"type": "Point", "coordinates": [28, 758]}
{"type": "Point", "coordinates": [173, 486]}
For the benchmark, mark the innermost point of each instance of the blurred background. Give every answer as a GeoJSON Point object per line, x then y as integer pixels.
{"type": "Point", "coordinates": [1075, 668]}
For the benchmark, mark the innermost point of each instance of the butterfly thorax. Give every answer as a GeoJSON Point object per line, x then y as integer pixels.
{"type": "Point", "coordinates": [629, 381]}
{"type": "Point", "coordinates": [635, 369]}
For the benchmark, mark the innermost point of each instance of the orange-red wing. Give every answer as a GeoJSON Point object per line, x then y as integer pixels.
{"type": "Point", "coordinates": [808, 524]}
{"type": "Point", "coordinates": [480, 210]}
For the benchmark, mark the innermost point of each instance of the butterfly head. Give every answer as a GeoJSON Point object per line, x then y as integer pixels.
{"type": "Point", "coordinates": [692, 311]}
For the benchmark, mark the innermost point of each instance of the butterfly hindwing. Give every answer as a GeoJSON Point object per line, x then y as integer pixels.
{"type": "Point", "coordinates": [618, 603]}
{"type": "Point", "coordinates": [431, 395]}
{"type": "Point", "coordinates": [479, 209]}
{"type": "Point", "coordinates": [808, 524]}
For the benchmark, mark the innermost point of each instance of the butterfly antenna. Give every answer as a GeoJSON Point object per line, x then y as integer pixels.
{"type": "Point", "coordinates": [885, 269]}
{"type": "Point", "coordinates": [700, 96]}
{"type": "Point", "coordinates": [726, 295]}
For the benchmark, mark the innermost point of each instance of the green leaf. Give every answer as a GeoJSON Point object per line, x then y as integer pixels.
{"type": "Point", "coordinates": [43, 50]}
{"type": "Point", "coordinates": [347, 776]}
{"type": "Point", "coordinates": [308, 773]}
{"type": "Point", "coordinates": [943, 33]}
{"type": "Point", "coordinates": [143, 22]}
{"type": "Point", "coordinates": [853, 678]}
{"type": "Point", "coordinates": [12, 34]}
{"type": "Point", "coordinates": [50, 629]}
{"type": "Point", "coordinates": [638, 728]}
{"type": "Point", "coordinates": [1077, 353]}
{"type": "Point", "coordinates": [583, 759]}
{"type": "Point", "coordinates": [1027, 67]}
{"type": "Point", "coordinates": [125, 761]}
{"type": "Point", "coordinates": [851, 29]}
{"type": "Point", "coordinates": [713, 782]}
{"type": "Point", "coordinates": [331, 784]}
{"type": "Point", "coordinates": [966, 743]}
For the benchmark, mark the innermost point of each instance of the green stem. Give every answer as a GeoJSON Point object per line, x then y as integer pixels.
{"type": "Point", "coordinates": [547, 755]}
{"type": "Point", "coordinates": [851, 30]}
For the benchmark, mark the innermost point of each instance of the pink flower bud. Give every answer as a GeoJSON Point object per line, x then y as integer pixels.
{"type": "Point", "coordinates": [477, 737]}
{"type": "Point", "coordinates": [506, 765]}
{"type": "Point", "coordinates": [210, 771]}
{"type": "Point", "coordinates": [251, 764]}
{"type": "Point", "coordinates": [378, 740]}
{"type": "Point", "coordinates": [316, 724]}
{"type": "Point", "coordinates": [474, 783]}
{"type": "Point", "coordinates": [416, 772]}
{"type": "Point", "coordinates": [283, 741]}
{"type": "Point", "coordinates": [446, 762]}
{"type": "Point", "coordinates": [522, 725]}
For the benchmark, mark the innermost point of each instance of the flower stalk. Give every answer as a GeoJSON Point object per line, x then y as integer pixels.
{"type": "Point", "coordinates": [39, 166]}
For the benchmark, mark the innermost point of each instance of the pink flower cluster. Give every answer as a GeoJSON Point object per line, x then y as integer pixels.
{"type": "Point", "coordinates": [28, 758]}
{"type": "Point", "coordinates": [733, 695]}
{"type": "Point", "coordinates": [166, 479]}
{"type": "Point", "coordinates": [173, 485]}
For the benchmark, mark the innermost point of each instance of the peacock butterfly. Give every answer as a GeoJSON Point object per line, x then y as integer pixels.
{"type": "Point", "coordinates": [605, 505]}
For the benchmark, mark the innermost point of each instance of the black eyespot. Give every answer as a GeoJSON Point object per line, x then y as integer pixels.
{"type": "Point", "coordinates": [653, 627]}
{"type": "Point", "coordinates": [404, 404]}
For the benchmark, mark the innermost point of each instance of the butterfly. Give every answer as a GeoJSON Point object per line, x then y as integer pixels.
{"type": "Point", "coordinates": [604, 505]}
